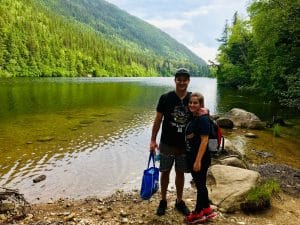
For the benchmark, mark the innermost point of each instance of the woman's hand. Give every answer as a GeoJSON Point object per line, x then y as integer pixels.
{"type": "Point", "coordinates": [197, 166]}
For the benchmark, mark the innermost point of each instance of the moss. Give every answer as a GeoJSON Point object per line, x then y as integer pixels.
{"type": "Point", "coordinates": [259, 197]}
{"type": "Point", "coordinates": [277, 131]}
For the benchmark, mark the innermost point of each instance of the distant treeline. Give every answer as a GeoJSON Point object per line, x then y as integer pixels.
{"type": "Point", "coordinates": [36, 41]}
{"type": "Point", "coordinates": [262, 53]}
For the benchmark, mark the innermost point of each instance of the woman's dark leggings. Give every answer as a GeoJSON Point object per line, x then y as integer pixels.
{"type": "Point", "coordinates": [200, 181]}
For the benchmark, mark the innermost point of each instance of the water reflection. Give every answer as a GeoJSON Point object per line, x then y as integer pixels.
{"type": "Point", "coordinates": [59, 127]}
{"type": "Point", "coordinates": [252, 102]}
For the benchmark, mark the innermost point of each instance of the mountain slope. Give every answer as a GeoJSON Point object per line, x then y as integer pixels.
{"type": "Point", "coordinates": [118, 25]}
{"type": "Point", "coordinates": [37, 40]}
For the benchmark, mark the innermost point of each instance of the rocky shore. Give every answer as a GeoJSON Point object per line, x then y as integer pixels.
{"type": "Point", "coordinates": [128, 208]}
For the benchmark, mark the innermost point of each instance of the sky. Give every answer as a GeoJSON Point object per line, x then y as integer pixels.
{"type": "Point", "coordinates": [195, 23]}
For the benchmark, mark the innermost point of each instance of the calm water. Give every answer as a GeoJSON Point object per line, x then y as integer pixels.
{"type": "Point", "coordinates": [90, 136]}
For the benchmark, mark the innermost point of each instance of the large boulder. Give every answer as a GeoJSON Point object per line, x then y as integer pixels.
{"type": "Point", "coordinates": [229, 185]}
{"type": "Point", "coordinates": [232, 161]}
{"type": "Point", "coordinates": [244, 119]}
{"type": "Point", "coordinates": [234, 147]}
{"type": "Point", "coordinates": [225, 123]}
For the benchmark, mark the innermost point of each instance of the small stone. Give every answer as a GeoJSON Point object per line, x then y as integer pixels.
{"type": "Point", "coordinates": [87, 121]}
{"type": "Point", "coordinates": [124, 220]}
{"type": "Point", "coordinates": [29, 216]}
{"type": "Point", "coordinates": [69, 217]}
{"type": "Point", "coordinates": [123, 214]}
{"type": "Point", "coordinates": [241, 223]}
{"type": "Point", "coordinates": [50, 202]}
{"type": "Point", "coordinates": [2, 217]}
{"type": "Point", "coordinates": [68, 205]}
{"type": "Point", "coordinates": [45, 139]}
{"type": "Point", "coordinates": [66, 213]}
{"type": "Point", "coordinates": [250, 135]}
{"type": "Point", "coordinates": [6, 206]}
{"type": "Point", "coordinates": [100, 207]}
{"type": "Point", "coordinates": [98, 212]}
{"type": "Point", "coordinates": [39, 178]}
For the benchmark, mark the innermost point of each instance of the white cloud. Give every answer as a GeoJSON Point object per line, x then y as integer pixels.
{"type": "Point", "coordinates": [195, 23]}
{"type": "Point", "coordinates": [199, 11]}
{"type": "Point", "coordinates": [173, 24]}
{"type": "Point", "coordinates": [205, 52]}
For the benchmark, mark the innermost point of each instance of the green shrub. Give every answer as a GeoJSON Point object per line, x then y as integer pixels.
{"type": "Point", "coordinates": [276, 130]}
{"type": "Point", "coordinates": [259, 197]}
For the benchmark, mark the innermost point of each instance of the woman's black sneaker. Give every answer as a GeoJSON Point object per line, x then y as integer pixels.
{"type": "Point", "coordinates": [161, 210]}
{"type": "Point", "coordinates": [182, 208]}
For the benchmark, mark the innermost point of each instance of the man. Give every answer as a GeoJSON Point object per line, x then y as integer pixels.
{"type": "Point", "coordinates": [172, 112]}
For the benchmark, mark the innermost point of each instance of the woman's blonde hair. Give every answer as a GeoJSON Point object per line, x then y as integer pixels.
{"type": "Point", "coordinates": [199, 97]}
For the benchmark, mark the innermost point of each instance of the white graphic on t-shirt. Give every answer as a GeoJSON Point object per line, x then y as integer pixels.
{"type": "Point", "coordinates": [180, 118]}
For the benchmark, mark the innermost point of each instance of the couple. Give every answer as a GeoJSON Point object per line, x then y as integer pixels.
{"type": "Point", "coordinates": [184, 139]}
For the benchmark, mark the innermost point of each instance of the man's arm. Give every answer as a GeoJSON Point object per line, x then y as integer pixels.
{"type": "Point", "coordinates": [155, 129]}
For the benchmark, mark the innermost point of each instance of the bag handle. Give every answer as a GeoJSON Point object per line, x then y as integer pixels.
{"type": "Point", "coordinates": [151, 156]}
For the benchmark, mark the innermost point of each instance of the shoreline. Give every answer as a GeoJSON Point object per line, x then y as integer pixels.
{"type": "Point", "coordinates": [287, 176]}
{"type": "Point", "coordinates": [126, 207]}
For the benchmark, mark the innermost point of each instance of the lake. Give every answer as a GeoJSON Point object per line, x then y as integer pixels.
{"type": "Point", "coordinates": [90, 136]}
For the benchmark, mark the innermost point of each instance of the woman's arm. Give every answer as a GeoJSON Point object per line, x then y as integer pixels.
{"type": "Point", "coordinates": [201, 151]}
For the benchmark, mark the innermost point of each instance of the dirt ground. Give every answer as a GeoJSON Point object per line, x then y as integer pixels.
{"type": "Point", "coordinates": [128, 208]}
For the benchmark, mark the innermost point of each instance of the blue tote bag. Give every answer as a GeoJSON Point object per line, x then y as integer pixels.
{"type": "Point", "coordinates": [150, 180]}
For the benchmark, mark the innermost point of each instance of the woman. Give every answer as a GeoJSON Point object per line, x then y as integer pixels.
{"type": "Point", "coordinates": [197, 132]}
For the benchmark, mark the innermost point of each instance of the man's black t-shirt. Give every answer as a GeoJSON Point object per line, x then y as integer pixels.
{"type": "Point", "coordinates": [175, 117]}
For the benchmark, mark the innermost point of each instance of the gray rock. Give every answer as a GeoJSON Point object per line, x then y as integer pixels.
{"type": "Point", "coordinates": [263, 154]}
{"type": "Point", "coordinates": [12, 204]}
{"type": "Point", "coordinates": [39, 178]}
{"type": "Point", "coordinates": [233, 161]}
{"type": "Point", "coordinates": [225, 123]}
{"type": "Point", "coordinates": [250, 135]}
{"type": "Point", "coordinates": [6, 206]}
{"type": "Point", "coordinates": [235, 146]}
{"type": "Point", "coordinates": [242, 118]}
{"type": "Point", "coordinates": [45, 139]}
{"type": "Point", "coordinates": [229, 197]}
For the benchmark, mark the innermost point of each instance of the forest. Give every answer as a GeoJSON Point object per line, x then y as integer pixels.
{"type": "Point", "coordinates": [44, 39]}
{"type": "Point", "coordinates": [262, 53]}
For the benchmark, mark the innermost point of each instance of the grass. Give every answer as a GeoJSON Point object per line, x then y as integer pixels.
{"type": "Point", "coordinates": [259, 197]}
{"type": "Point", "coordinates": [277, 130]}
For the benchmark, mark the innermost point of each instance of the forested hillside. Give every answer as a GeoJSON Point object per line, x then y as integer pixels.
{"type": "Point", "coordinates": [262, 53]}
{"type": "Point", "coordinates": [38, 38]}
{"type": "Point", "coordinates": [118, 26]}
